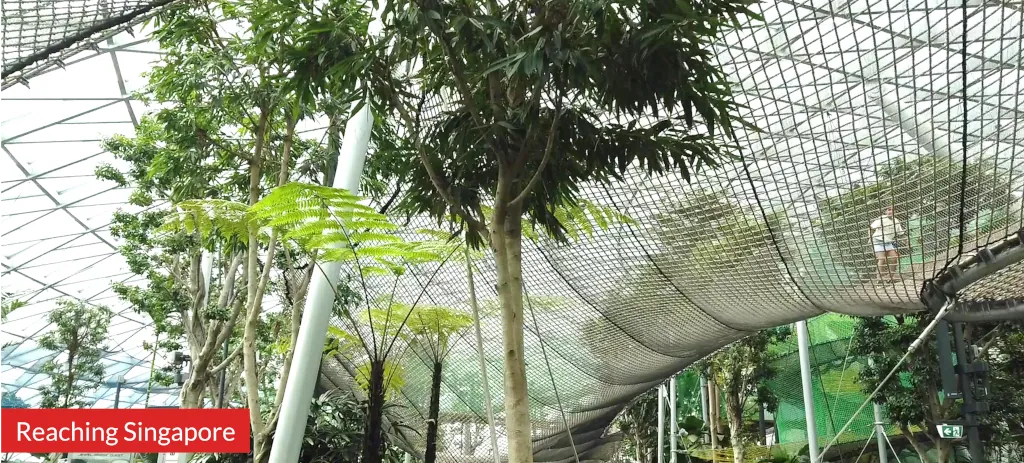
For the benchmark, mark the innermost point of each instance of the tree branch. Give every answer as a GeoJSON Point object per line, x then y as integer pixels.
{"type": "Point", "coordinates": [544, 161]}
{"type": "Point", "coordinates": [296, 322]}
{"type": "Point", "coordinates": [912, 438]}
{"type": "Point", "coordinates": [459, 75]}
{"type": "Point", "coordinates": [391, 200]}
{"type": "Point", "coordinates": [440, 184]}
{"type": "Point", "coordinates": [226, 331]}
{"type": "Point", "coordinates": [227, 361]}
{"type": "Point", "coordinates": [538, 90]}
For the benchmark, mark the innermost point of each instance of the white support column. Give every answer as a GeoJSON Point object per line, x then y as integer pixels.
{"type": "Point", "coordinates": [488, 407]}
{"type": "Point", "coordinates": [803, 341]}
{"type": "Point", "coordinates": [883, 449]}
{"type": "Point", "coordinates": [316, 315]}
{"type": "Point", "coordinates": [673, 427]}
{"type": "Point", "coordinates": [661, 423]}
{"type": "Point", "coordinates": [207, 275]}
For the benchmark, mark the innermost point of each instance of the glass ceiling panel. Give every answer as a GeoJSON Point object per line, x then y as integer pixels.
{"type": "Point", "coordinates": [835, 86]}
{"type": "Point", "coordinates": [56, 214]}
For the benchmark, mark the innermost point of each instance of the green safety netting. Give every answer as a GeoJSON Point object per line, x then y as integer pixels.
{"type": "Point", "coordinates": [837, 392]}
{"type": "Point", "coordinates": [861, 105]}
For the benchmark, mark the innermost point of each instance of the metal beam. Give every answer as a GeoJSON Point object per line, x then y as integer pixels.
{"type": "Point", "coordinates": [120, 84]}
{"type": "Point", "coordinates": [51, 124]}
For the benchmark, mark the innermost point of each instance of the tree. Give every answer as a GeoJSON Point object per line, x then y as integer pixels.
{"type": "Point", "coordinates": [911, 399]}
{"type": "Point", "coordinates": [333, 432]}
{"type": "Point", "coordinates": [376, 370]}
{"type": "Point", "coordinates": [11, 302]}
{"type": "Point", "coordinates": [515, 105]}
{"type": "Point", "coordinates": [638, 424]}
{"type": "Point", "coordinates": [742, 370]}
{"type": "Point", "coordinates": [10, 400]}
{"type": "Point", "coordinates": [1003, 425]}
{"type": "Point", "coordinates": [432, 328]}
{"type": "Point", "coordinates": [231, 101]}
{"type": "Point", "coordinates": [8, 303]}
{"type": "Point", "coordinates": [79, 335]}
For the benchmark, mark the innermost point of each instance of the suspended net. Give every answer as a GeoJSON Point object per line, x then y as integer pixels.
{"type": "Point", "coordinates": [863, 106]}
{"type": "Point", "coordinates": [41, 34]}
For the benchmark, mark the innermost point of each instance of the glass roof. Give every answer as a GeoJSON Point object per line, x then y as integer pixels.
{"type": "Point", "coordinates": [839, 89]}
{"type": "Point", "coordinates": [56, 241]}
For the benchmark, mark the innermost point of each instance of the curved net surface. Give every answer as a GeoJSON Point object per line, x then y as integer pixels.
{"type": "Point", "coordinates": [41, 34]}
{"type": "Point", "coordinates": [862, 105]}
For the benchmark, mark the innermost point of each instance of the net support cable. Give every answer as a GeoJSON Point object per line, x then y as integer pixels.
{"type": "Point", "coordinates": [551, 375]}
{"type": "Point", "coordinates": [488, 407]}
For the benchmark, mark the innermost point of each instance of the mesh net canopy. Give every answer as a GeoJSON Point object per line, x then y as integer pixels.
{"type": "Point", "coordinates": [40, 34]}
{"type": "Point", "coordinates": [861, 105]}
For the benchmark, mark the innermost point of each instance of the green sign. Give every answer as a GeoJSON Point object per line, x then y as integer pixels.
{"type": "Point", "coordinates": [950, 431]}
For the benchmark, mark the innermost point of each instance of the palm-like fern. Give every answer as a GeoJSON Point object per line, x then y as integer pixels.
{"type": "Point", "coordinates": [329, 223]}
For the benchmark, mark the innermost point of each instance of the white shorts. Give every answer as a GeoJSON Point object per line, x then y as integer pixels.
{"type": "Point", "coordinates": [883, 246]}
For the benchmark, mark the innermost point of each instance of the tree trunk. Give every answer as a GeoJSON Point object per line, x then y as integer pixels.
{"type": "Point", "coordinates": [912, 439]}
{"type": "Point", "coordinates": [734, 411]}
{"type": "Point", "coordinates": [641, 451]}
{"type": "Point", "coordinates": [372, 436]}
{"type": "Point", "coordinates": [253, 307]}
{"type": "Point", "coordinates": [192, 392]}
{"type": "Point", "coordinates": [70, 386]}
{"type": "Point", "coordinates": [435, 402]}
{"type": "Point", "coordinates": [506, 243]}
{"type": "Point", "coordinates": [943, 450]}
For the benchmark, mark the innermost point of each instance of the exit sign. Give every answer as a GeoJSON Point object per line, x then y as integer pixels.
{"type": "Point", "coordinates": [950, 431]}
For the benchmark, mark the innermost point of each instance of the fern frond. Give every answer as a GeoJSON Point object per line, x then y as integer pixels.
{"type": "Point", "coordinates": [340, 341]}
{"type": "Point", "coordinates": [208, 217]}
{"type": "Point", "coordinates": [329, 220]}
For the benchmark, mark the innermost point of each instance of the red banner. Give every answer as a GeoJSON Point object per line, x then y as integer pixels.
{"type": "Point", "coordinates": [138, 430]}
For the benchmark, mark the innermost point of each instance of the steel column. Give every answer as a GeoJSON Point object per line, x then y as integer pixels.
{"type": "Point", "coordinates": [673, 434]}
{"type": "Point", "coordinates": [661, 424]}
{"type": "Point", "coordinates": [883, 450]}
{"type": "Point", "coordinates": [316, 315]}
{"type": "Point", "coordinates": [803, 340]}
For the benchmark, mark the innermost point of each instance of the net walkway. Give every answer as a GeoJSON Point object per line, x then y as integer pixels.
{"type": "Point", "coordinates": [862, 105]}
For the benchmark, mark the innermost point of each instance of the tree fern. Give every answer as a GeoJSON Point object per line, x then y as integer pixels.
{"type": "Point", "coordinates": [341, 342]}
{"type": "Point", "coordinates": [394, 378]}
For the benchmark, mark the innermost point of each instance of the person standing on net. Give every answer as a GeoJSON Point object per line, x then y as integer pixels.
{"type": "Point", "coordinates": [885, 232]}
